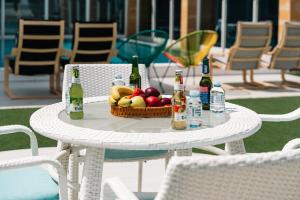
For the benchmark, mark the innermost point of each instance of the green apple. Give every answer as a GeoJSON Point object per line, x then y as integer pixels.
{"type": "Point", "coordinates": [137, 101]}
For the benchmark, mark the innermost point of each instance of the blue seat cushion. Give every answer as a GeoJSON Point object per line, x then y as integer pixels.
{"type": "Point", "coordinates": [115, 154]}
{"type": "Point", "coordinates": [30, 183]}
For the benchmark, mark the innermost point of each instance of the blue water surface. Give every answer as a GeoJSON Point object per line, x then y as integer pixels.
{"type": "Point", "coordinates": [5, 49]}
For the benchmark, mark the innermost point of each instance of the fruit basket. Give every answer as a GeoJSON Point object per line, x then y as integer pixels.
{"type": "Point", "coordinates": [126, 102]}
{"type": "Point", "coordinates": [145, 112]}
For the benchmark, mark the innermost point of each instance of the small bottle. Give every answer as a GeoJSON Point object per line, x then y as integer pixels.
{"type": "Point", "coordinates": [135, 80]}
{"type": "Point", "coordinates": [118, 80]}
{"type": "Point", "coordinates": [217, 98]}
{"type": "Point", "coordinates": [179, 121]}
{"type": "Point", "coordinates": [194, 110]}
{"type": "Point", "coordinates": [67, 99]}
{"type": "Point", "coordinates": [76, 96]}
{"type": "Point", "coordinates": [205, 85]}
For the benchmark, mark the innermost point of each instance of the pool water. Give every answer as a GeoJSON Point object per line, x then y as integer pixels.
{"type": "Point", "coordinates": [6, 47]}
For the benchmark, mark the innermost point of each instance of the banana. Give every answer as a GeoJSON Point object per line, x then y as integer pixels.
{"type": "Point", "coordinates": [112, 101]}
{"type": "Point", "coordinates": [117, 92]}
{"type": "Point", "coordinates": [124, 102]}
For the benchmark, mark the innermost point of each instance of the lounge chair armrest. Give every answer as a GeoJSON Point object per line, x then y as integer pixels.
{"type": "Point", "coordinates": [214, 150]}
{"type": "Point", "coordinates": [293, 144]}
{"type": "Point", "coordinates": [14, 51]}
{"type": "Point", "coordinates": [65, 52]}
{"type": "Point", "coordinates": [113, 189]}
{"type": "Point", "coordinates": [281, 118]}
{"type": "Point", "coordinates": [39, 160]}
{"type": "Point", "coordinates": [23, 129]}
{"type": "Point", "coordinates": [114, 52]}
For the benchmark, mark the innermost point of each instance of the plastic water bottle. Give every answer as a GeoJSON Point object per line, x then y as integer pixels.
{"type": "Point", "coordinates": [194, 109]}
{"type": "Point", "coordinates": [217, 98]}
{"type": "Point", "coordinates": [118, 80]}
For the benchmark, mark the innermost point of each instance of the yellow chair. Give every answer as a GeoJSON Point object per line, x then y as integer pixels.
{"type": "Point", "coordinates": [190, 50]}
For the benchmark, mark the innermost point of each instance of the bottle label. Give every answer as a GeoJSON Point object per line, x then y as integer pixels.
{"type": "Point", "coordinates": [204, 94]}
{"type": "Point", "coordinates": [179, 110]}
{"type": "Point", "coordinates": [218, 98]}
{"type": "Point", "coordinates": [76, 104]}
{"type": "Point", "coordinates": [178, 86]}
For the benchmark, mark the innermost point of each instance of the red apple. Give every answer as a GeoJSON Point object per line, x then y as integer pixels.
{"type": "Point", "coordinates": [165, 101]}
{"type": "Point", "coordinates": [151, 91]}
{"type": "Point", "coordinates": [153, 101]}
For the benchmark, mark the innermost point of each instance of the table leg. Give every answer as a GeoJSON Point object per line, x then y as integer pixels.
{"type": "Point", "coordinates": [184, 152]}
{"type": "Point", "coordinates": [73, 175]}
{"type": "Point", "coordinates": [236, 147]}
{"type": "Point", "coordinates": [92, 174]}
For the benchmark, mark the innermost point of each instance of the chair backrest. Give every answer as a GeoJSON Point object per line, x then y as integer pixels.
{"type": "Point", "coordinates": [93, 42]}
{"type": "Point", "coordinates": [147, 45]}
{"type": "Point", "coordinates": [96, 79]}
{"type": "Point", "coordinates": [286, 55]}
{"type": "Point", "coordinates": [192, 48]}
{"type": "Point", "coordinates": [39, 45]}
{"type": "Point", "coordinates": [267, 176]}
{"type": "Point", "coordinates": [252, 41]}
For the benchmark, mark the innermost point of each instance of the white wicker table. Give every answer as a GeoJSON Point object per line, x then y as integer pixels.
{"type": "Point", "coordinates": [100, 130]}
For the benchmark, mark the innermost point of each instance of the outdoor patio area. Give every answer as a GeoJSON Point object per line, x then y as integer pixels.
{"type": "Point", "coordinates": [149, 100]}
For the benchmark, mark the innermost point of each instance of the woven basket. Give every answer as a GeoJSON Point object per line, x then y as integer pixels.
{"type": "Point", "coordinates": [146, 112]}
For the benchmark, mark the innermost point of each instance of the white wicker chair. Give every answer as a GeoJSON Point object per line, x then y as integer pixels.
{"type": "Point", "coordinates": [25, 175]}
{"type": "Point", "coordinates": [267, 176]}
{"type": "Point", "coordinates": [96, 81]}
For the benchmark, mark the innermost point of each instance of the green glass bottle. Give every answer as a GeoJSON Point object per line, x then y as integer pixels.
{"type": "Point", "coordinates": [76, 96]}
{"type": "Point", "coordinates": [205, 85]}
{"type": "Point", "coordinates": [135, 80]}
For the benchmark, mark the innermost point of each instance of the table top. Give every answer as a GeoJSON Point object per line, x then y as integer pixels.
{"type": "Point", "coordinates": [101, 129]}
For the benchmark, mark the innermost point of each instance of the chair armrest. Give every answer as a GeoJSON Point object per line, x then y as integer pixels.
{"type": "Point", "coordinates": [65, 52]}
{"type": "Point", "coordinates": [23, 129]}
{"type": "Point", "coordinates": [113, 189]}
{"type": "Point", "coordinates": [293, 144]}
{"type": "Point", "coordinates": [214, 150]}
{"type": "Point", "coordinates": [39, 160]}
{"type": "Point", "coordinates": [14, 51]}
{"type": "Point", "coordinates": [281, 118]}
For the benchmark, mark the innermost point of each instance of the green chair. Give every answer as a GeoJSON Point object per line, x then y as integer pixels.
{"type": "Point", "coordinates": [190, 50]}
{"type": "Point", "coordinates": [147, 45]}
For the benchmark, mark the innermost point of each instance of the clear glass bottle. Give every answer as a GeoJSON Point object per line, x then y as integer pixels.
{"type": "Point", "coordinates": [135, 80]}
{"type": "Point", "coordinates": [179, 121]}
{"type": "Point", "coordinates": [217, 98]}
{"type": "Point", "coordinates": [76, 96]}
{"type": "Point", "coordinates": [118, 80]}
{"type": "Point", "coordinates": [194, 110]}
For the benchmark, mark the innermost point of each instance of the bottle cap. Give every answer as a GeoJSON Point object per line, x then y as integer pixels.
{"type": "Point", "coordinates": [194, 93]}
{"type": "Point", "coordinates": [217, 84]}
{"type": "Point", "coordinates": [118, 76]}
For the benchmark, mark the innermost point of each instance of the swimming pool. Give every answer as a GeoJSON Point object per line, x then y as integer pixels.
{"type": "Point", "coordinates": [6, 47]}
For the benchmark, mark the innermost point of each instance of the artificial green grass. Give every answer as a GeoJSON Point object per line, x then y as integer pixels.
{"type": "Point", "coordinates": [271, 137]}
{"type": "Point", "coordinates": [19, 140]}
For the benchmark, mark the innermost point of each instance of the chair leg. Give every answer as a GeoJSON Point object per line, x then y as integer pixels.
{"type": "Point", "coordinates": [186, 77]}
{"type": "Point", "coordinates": [194, 76]}
{"type": "Point", "coordinates": [51, 83]}
{"type": "Point", "coordinates": [140, 176]}
{"type": "Point", "coordinates": [159, 81]}
{"type": "Point", "coordinates": [252, 75]}
{"type": "Point", "coordinates": [6, 88]}
{"type": "Point", "coordinates": [211, 69]}
{"type": "Point", "coordinates": [244, 75]}
{"type": "Point", "coordinates": [58, 86]}
{"type": "Point", "coordinates": [283, 75]}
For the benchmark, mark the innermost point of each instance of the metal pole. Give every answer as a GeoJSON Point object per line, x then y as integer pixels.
{"type": "Point", "coordinates": [255, 9]}
{"type": "Point", "coordinates": [224, 25]}
{"type": "Point", "coordinates": [137, 22]}
{"type": "Point", "coordinates": [126, 18]}
{"type": "Point", "coordinates": [87, 10]}
{"type": "Point", "coordinates": [198, 14]}
{"type": "Point", "coordinates": [46, 9]}
{"type": "Point", "coordinates": [171, 19]}
{"type": "Point", "coordinates": [153, 16]}
{"type": "Point", "coordinates": [2, 22]}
